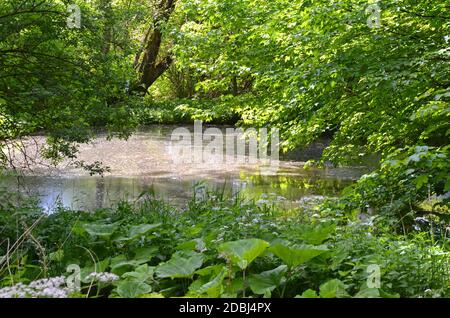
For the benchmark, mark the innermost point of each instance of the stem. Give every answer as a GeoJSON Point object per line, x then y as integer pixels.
{"type": "Point", "coordinates": [244, 282]}
{"type": "Point", "coordinates": [288, 276]}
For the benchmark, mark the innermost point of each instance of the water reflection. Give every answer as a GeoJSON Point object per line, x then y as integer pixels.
{"type": "Point", "coordinates": [86, 193]}
{"type": "Point", "coordinates": [142, 164]}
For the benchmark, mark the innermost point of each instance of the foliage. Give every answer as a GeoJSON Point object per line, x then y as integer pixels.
{"type": "Point", "coordinates": [378, 89]}
{"type": "Point", "coordinates": [239, 249]}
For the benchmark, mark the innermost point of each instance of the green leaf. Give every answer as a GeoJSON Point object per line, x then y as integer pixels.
{"type": "Point", "coordinates": [196, 244]}
{"type": "Point", "coordinates": [265, 282]}
{"type": "Point", "coordinates": [213, 288]}
{"type": "Point", "coordinates": [120, 264]}
{"type": "Point", "coordinates": [209, 270]}
{"type": "Point", "coordinates": [137, 231]}
{"type": "Point", "coordinates": [142, 229]}
{"type": "Point", "coordinates": [420, 181]}
{"type": "Point", "coordinates": [296, 255]}
{"type": "Point", "coordinates": [316, 234]}
{"type": "Point", "coordinates": [384, 294]}
{"type": "Point", "coordinates": [309, 293]}
{"type": "Point", "coordinates": [132, 289]}
{"type": "Point", "coordinates": [100, 229]}
{"type": "Point", "coordinates": [183, 264]}
{"type": "Point", "coordinates": [447, 184]}
{"type": "Point", "coordinates": [145, 254]}
{"type": "Point", "coordinates": [243, 252]}
{"type": "Point", "coordinates": [333, 289]}
{"type": "Point", "coordinates": [368, 293]}
{"type": "Point", "coordinates": [56, 256]}
{"type": "Point", "coordinates": [141, 273]}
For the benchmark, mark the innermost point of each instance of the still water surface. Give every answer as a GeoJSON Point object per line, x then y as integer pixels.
{"type": "Point", "coordinates": [146, 163]}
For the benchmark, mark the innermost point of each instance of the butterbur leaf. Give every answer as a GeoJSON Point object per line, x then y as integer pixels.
{"type": "Point", "coordinates": [120, 264]}
{"type": "Point", "coordinates": [212, 288]}
{"type": "Point", "coordinates": [145, 254]}
{"type": "Point", "coordinates": [265, 282]}
{"type": "Point", "coordinates": [296, 255]}
{"type": "Point", "coordinates": [209, 270]}
{"type": "Point", "coordinates": [384, 294]}
{"type": "Point", "coordinates": [137, 231]}
{"type": "Point", "coordinates": [243, 252]}
{"type": "Point", "coordinates": [152, 295]}
{"type": "Point", "coordinates": [100, 229]}
{"type": "Point", "coordinates": [333, 289]}
{"type": "Point", "coordinates": [196, 244]}
{"type": "Point", "coordinates": [141, 273]}
{"type": "Point", "coordinates": [309, 293]}
{"type": "Point", "coordinates": [142, 229]}
{"type": "Point", "coordinates": [368, 293]}
{"type": "Point", "coordinates": [183, 264]}
{"type": "Point", "coordinates": [132, 289]}
{"type": "Point", "coordinates": [316, 234]}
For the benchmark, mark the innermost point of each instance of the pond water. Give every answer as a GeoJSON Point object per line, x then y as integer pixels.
{"type": "Point", "coordinates": [146, 163]}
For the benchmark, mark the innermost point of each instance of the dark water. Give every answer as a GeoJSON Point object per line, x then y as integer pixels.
{"type": "Point", "coordinates": [145, 164]}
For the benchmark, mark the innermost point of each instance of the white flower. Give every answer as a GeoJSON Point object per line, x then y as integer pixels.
{"type": "Point", "coordinates": [54, 287]}
{"type": "Point", "coordinates": [262, 202]}
{"type": "Point", "coordinates": [103, 277]}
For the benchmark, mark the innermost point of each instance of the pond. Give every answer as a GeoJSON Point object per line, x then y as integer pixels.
{"type": "Point", "coordinates": [145, 163]}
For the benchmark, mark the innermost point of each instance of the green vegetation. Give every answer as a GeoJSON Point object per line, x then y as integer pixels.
{"type": "Point", "coordinates": [312, 69]}
{"type": "Point", "coordinates": [225, 248]}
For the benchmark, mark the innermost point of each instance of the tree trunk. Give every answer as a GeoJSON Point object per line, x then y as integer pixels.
{"type": "Point", "coordinates": [106, 8]}
{"type": "Point", "coordinates": [234, 85]}
{"type": "Point", "coordinates": [147, 63]}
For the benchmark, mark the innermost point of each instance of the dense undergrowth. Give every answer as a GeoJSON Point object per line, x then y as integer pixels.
{"type": "Point", "coordinates": [219, 247]}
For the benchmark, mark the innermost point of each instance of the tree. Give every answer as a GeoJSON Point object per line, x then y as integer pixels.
{"type": "Point", "coordinates": [56, 79]}
{"type": "Point", "coordinates": [148, 61]}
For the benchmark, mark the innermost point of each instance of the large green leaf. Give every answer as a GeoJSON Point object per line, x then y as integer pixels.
{"type": "Point", "coordinates": [210, 270]}
{"type": "Point", "coordinates": [137, 231]}
{"type": "Point", "coordinates": [141, 229]}
{"type": "Point", "coordinates": [145, 254]}
{"type": "Point", "coordinates": [183, 264]}
{"type": "Point", "coordinates": [316, 234]}
{"type": "Point", "coordinates": [132, 289]}
{"type": "Point", "coordinates": [368, 293]}
{"type": "Point", "coordinates": [142, 273]}
{"type": "Point", "coordinates": [120, 264]}
{"type": "Point", "coordinates": [333, 289]}
{"type": "Point", "coordinates": [195, 245]}
{"type": "Point", "coordinates": [309, 293]}
{"type": "Point", "coordinates": [100, 229]}
{"type": "Point", "coordinates": [243, 252]}
{"type": "Point", "coordinates": [265, 282]}
{"type": "Point", "coordinates": [296, 255]}
{"type": "Point", "coordinates": [212, 288]}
